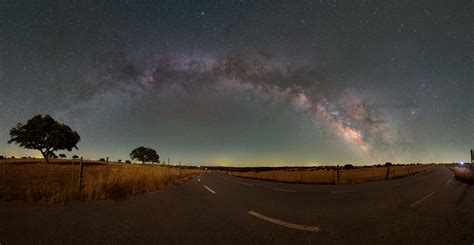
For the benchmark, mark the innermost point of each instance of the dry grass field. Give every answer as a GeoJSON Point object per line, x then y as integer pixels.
{"type": "Point", "coordinates": [332, 176]}
{"type": "Point", "coordinates": [23, 179]}
{"type": "Point", "coordinates": [463, 174]}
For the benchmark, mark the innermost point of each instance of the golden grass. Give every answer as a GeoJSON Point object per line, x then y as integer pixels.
{"type": "Point", "coordinates": [463, 174]}
{"type": "Point", "coordinates": [356, 175]}
{"type": "Point", "coordinates": [24, 180]}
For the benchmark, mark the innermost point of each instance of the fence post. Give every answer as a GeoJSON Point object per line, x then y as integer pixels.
{"type": "Point", "coordinates": [338, 175]}
{"type": "Point", "coordinates": [333, 176]}
{"type": "Point", "coordinates": [80, 175]}
{"type": "Point", "coordinates": [472, 163]}
{"type": "Point", "coordinates": [373, 172]}
{"type": "Point", "coordinates": [301, 175]}
{"type": "Point", "coordinates": [106, 166]}
{"type": "Point", "coordinates": [4, 172]}
{"type": "Point", "coordinates": [388, 172]}
{"type": "Point", "coordinates": [273, 172]}
{"type": "Point", "coordinates": [169, 169]}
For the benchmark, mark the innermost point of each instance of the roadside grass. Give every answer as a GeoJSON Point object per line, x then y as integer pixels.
{"type": "Point", "coordinates": [463, 175]}
{"type": "Point", "coordinates": [23, 180]}
{"type": "Point", "coordinates": [333, 176]}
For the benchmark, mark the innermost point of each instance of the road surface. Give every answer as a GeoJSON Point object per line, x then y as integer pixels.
{"type": "Point", "coordinates": [429, 208]}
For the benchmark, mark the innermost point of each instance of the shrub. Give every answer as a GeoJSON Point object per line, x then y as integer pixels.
{"type": "Point", "coordinates": [348, 167]}
{"type": "Point", "coordinates": [128, 161]}
{"type": "Point", "coordinates": [102, 160]}
{"type": "Point", "coordinates": [388, 164]}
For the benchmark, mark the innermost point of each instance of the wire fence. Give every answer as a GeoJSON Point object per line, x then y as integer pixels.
{"type": "Point", "coordinates": [335, 175]}
{"type": "Point", "coordinates": [66, 180]}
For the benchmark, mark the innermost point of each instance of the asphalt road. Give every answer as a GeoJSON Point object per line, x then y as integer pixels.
{"type": "Point", "coordinates": [429, 208]}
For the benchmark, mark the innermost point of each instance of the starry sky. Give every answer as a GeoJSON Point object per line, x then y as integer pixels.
{"type": "Point", "coordinates": [245, 83]}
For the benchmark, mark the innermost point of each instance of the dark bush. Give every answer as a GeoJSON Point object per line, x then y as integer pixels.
{"type": "Point", "coordinates": [102, 160]}
{"type": "Point", "coordinates": [128, 161]}
{"type": "Point", "coordinates": [388, 164]}
{"type": "Point", "coordinates": [348, 167]}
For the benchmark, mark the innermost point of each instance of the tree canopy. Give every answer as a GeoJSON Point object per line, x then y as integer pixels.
{"type": "Point", "coordinates": [44, 134]}
{"type": "Point", "coordinates": [144, 154]}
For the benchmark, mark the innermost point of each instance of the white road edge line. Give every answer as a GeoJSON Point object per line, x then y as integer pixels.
{"type": "Point", "coordinates": [422, 199]}
{"type": "Point", "coordinates": [284, 190]}
{"type": "Point", "coordinates": [285, 224]}
{"type": "Point", "coordinates": [448, 181]}
{"type": "Point", "coordinates": [209, 189]}
{"type": "Point", "coordinates": [349, 191]}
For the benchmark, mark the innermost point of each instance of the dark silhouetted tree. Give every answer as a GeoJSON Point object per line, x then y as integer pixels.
{"type": "Point", "coordinates": [145, 154]}
{"type": "Point", "coordinates": [52, 155]}
{"type": "Point", "coordinates": [388, 164]}
{"type": "Point", "coordinates": [62, 155]}
{"type": "Point", "coordinates": [75, 157]}
{"type": "Point", "coordinates": [45, 135]}
{"type": "Point", "coordinates": [348, 166]}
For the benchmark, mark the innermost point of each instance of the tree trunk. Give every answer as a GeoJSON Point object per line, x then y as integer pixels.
{"type": "Point", "coordinates": [43, 179]}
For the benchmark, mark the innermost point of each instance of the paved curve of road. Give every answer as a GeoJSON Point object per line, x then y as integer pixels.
{"type": "Point", "coordinates": [429, 208]}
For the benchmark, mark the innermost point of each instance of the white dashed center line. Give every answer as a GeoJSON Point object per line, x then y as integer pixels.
{"type": "Point", "coordinates": [209, 189]}
{"type": "Point", "coordinates": [422, 199]}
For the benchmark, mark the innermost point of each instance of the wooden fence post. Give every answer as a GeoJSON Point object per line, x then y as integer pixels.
{"type": "Point", "coordinates": [388, 172]}
{"type": "Point", "coordinates": [4, 172]}
{"type": "Point", "coordinates": [80, 175]}
{"type": "Point", "coordinates": [106, 166]}
{"type": "Point", "coordinates": [301, 175]}
{"type": "Point", "coordinates": [472, 163]}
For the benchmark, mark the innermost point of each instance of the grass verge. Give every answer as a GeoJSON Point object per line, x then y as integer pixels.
{"type": "Point", "coordinates": [25, 181]}
{"type": "Point", "coordinates": [463, 175]}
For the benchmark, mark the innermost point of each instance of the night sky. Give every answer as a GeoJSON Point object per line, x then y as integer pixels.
{"type": "Point", "coordinates": [245, 83]}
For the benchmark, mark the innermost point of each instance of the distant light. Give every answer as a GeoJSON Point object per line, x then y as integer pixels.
{"type": "Point", "coordinates": [462, 163]}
